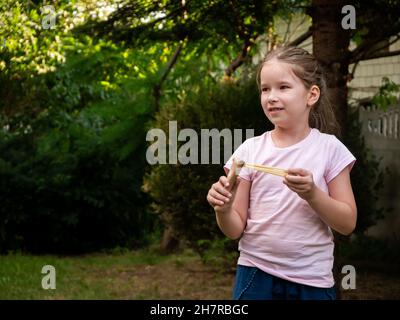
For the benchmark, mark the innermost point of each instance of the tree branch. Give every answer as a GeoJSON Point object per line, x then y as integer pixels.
{"type": "Point", "coordinates": [157, 87]}
{"type": "Point", "coordinates": [286, 36]}
{"type": "Point", "coordinates": [241, 28]}
{"type": "Point", "coordinates": [301, 38]}
{"type": "Point", "coordinates": [171, 62]}
{"type": "Point", "coordinates": [361, 52]}
{"type": "Point", "coordinates": [243, 32]}
{"type": "Point", "coordinates": [381, 55]}
{"type": "Point", "coordinates": [350, 76]}
{"type": "Point", "coordinates": [303, 20]}
{"type": "Point", "coordinates": [241, 57]}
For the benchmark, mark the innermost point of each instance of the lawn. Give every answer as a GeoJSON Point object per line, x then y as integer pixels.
{"type": "Point", "coordinates": [123, 275]}
{"type": "Point", "coordinates": [145, 274]}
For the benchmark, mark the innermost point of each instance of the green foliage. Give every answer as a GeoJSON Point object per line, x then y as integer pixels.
{"type": "Point", "coordinates": [71, 167]}
{"type": "Point", "coordinates": [373, 249]}
{"type": "Point", "coordinates": [220, 23]}
{"type": "Point", "coordinates": [366, 34]}
{"type": "Point", "coordinates": [387, 94]}
{"type": "Point", "coordinates": [72, 139]}
{"type": "Point", "coordinates": [179, 191]}
{"type": "Point", "coordinates": [219, 253]}
{"type": "Point", "coordinates": [72, 183]}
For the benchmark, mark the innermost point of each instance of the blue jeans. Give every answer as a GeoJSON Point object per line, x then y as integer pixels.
{"type": "Point", "coordinates": [253, 284]}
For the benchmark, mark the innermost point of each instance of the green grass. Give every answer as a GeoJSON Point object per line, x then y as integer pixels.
{"type": "Point", "coordinates": [145, 274]}
{"type": "Point", "coordinates": [94, 276]}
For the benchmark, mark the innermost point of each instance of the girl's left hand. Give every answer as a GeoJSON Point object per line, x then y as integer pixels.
{"type": "Point", "coordinates": [300, 181]}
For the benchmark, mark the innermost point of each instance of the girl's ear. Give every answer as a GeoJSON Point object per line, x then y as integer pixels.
{"type": "Point", "coordinates": [313, 95]}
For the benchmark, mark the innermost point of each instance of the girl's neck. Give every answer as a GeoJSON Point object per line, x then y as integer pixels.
{"type": "Point", "coordinates": [283, 137]}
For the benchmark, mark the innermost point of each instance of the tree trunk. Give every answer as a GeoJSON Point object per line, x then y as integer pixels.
{"type": "Point", "coordinates": [169, 243]}
{"type": "Point", "coordinates": [330, 47]}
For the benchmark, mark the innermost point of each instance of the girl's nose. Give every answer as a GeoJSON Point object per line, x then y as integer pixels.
{"type": "Point", "coordinates": [272, 98]}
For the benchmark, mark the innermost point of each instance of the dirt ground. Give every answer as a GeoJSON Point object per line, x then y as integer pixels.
{"type": "Point", "coordinates": [191, 279]}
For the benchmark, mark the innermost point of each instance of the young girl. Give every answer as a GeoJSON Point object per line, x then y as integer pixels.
{"type": "Point", "coordinates": [284, 224]}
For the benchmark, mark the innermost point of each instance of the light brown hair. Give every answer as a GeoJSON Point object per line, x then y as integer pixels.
{"type": "Point", "coordinates": [306, 67]}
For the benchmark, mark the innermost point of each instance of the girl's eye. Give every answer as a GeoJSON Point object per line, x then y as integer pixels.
{"type": "Point", "coordinates": [264, 89]}
{"type": "Point", "coordinates": [284, 87]}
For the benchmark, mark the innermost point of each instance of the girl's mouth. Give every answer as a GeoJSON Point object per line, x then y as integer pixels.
{"type": "Point", "coordinates": [275, 109]}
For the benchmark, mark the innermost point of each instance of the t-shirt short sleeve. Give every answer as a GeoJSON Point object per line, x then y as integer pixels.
{"type": "Point", "coordinates": [241, 153]}
{"type": "Point", "coordinates": [340, 158]}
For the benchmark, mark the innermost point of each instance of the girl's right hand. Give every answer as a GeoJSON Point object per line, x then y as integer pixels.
{"type": "Point", "coordinates": [220, 196]}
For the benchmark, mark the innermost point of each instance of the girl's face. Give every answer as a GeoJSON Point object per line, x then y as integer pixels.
{"type": "Point", "coordinates": [284, 98]}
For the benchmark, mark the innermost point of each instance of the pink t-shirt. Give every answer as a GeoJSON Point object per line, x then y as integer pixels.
{"type": "Point", "coordinates": [284, 236]}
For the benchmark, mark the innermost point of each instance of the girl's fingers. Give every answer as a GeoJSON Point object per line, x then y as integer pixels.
{"type": "Point", "coordinates": [220, 189]}
{"type": "Point", "coordinates": [296, 188]}
{"type": "Point", "coordinates": [297, 182]}
{"type": "Point", "coordinates": [298, 171]}
{"type": "Point", "coordinates": [214, 202]}
{"type": "Point", "coordinates": [223, 180]}
{"type": "Point", "coordinates": [217, 203]}
{"type": "Point", "coordinates": [296, 185]}
{"type": "Point", "coordinates": [219, 196]}
{"type": "Point", "coordinates": [296, 179]}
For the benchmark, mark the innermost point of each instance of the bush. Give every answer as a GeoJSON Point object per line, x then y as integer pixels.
{"type": "Point", "coordinates": [179, 191]}
{"type": "Point", "coordinates": [222, 254]}
{"type": "Point", "coordinates": [373, 250]}
{"type": "Point", "coordinates": [72, 138]}
{"type": "Point", "coordinates": [72, 183]}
